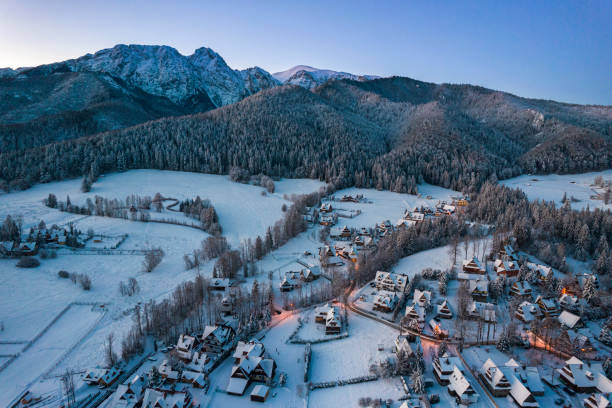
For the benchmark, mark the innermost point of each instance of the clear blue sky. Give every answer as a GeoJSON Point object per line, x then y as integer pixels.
{"type": "Point", "coordinates": [556, 49]}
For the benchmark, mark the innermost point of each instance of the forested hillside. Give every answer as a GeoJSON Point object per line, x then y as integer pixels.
{"type": "Point", "coordinates": [386, 133]}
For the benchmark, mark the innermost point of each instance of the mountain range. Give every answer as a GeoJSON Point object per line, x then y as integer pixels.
{"type": "Point", "coordinates": [198, 114]}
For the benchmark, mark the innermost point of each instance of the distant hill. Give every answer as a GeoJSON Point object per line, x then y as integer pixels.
{"type": "Point", "coordinates": [388, 133]}
{"type": "Point", "coordinates": [309, 77]}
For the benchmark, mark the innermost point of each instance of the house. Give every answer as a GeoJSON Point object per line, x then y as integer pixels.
{"type": "Point", "coordinates": [194, 378]}
{"type": "Point", "coordinates": [328, 219]}
{"type": "Point", "coordinates": [443, 368]}
{"type": "Point", "coordinates": [198, 362]}
{"type": "Point", "coordinates": [521, 288]}
{"type": "Point", "coordinates": [473, 266]}
{"type": "Point", "coordinates": [166, 399]}
{"type": "Point", "coordinates": [597, 401]}
{"type": "Point", "coordinates": [506, 268]}
{"type": "Point", "coordinates": [349, 198]}
{"type": "Point", "coordinates": [570, 320]}
{"type": "Point", "coordinates": [534, 382]}
{"type": "Point", "coordinates": [310, 274]}
{"type": "Point", "coordinates": [402, 223]}
{"type": "Point", "coordinates": [575, 341]}
{"type": "Point", "coordinates": [92, 376]}
{"type": "Point", "coordinates": [332, 322]}
{"type": "Point", "coordinates": [167, 372]}
{"type": "Point", "coordinates": [385, 301]}
{"type": "Point", "coordinates": [260, 393]}
{"type": "Point", "coordinates": [422, 297]}
{"type": "Point", "coordinates": [185, 347]}
{"type": "Point", "coordinates": [569, 302]}
{"type": "Point", "coordinates": [326, 208]}
{"type": "Point", "coordinates": [327, 257]}
{"type": "Point", "coordinates": [321, 313]}
{"type": "Point", "coordinates": [250, 369]}
{"type": "Point", "coordinates": [547, 306]}
{"type": "Point", "coordinates": [542, 271]}
{"type": "Point", "coordinates": [401, 344]}
{"type": "Point", "coordinates": [519, 393]}
{"type": "Point", "coordinates": [527, 312]}
{"type": "Point", "coordinates": [288, 284]}
{"type": "Point", "coordinates": [482, 311]}
{"type": "Point", "coordinates": [507, 251]}
{"type": "Point", "coordinates": [460, 388]}
{"type": "Point", "coordinates": [479, 289]}
{"type": "Point", "coordinates": [494, 379]}
{"type": "Point", "coordinates": [444, 311]}
{"type": "Point", "coordinates": [438, 330]}
{"type": "Point", "coordinates": [247, 349]}
{"type": "Point", "coordinates": [219, 284]}
{"type": "Point", "coordinates": [25, 249]}
{"type": "Point", "coordinates": [130, 393]}
{"type": "Point", "coordinates": [414, 216]}
{"type": "Point", "coordinates": [345, 232]}
{"type": "Point", "coordinates": [584, 377]}
{"type": "Point", "coordinates": [393, 282]}
{"type": "Point", "coordinates": [216, 339]}
{"type": "Point", "coordinates": [109, 377]}
{"type": "Point", "coordinates": [415, 314]}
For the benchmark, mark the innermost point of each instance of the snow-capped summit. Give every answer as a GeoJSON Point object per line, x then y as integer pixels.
{"type": "Point", "coordinates": [310, 77]}
{"type": "Point", "coordinates": [163, 71]}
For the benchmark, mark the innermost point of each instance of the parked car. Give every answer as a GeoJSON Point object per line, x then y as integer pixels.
{"type": "Point", "coordinates": [559, 401]}
{"type": "Point", "coordinates": [434, 398]}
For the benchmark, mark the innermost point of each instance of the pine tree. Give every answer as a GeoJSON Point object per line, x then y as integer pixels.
{"type": "Point", "coordinates": [589, 292]}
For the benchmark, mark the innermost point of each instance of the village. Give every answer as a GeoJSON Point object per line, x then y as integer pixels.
{"type": "Point", "coordinates": [473, 323]}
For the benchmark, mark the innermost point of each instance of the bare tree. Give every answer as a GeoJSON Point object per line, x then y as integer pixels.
{"type": "Point", "coordinates": [153, 257]}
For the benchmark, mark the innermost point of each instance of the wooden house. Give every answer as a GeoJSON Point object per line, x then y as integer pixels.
{"type": "Point", "coordinates": [597, 400]}
{"type": "Point", "coordinates": [260, 393]}
{"type": "Point", "coordinates": [460, 388]}
{"type": "Point", "coordinates": [216, 339]}
{"type": "Point", "coordinates": [521, 289]}
{"type": "Point", "coordinates": [575, 341]}
{"type": "Point", "coordinates": [494, 379]}
{"type": "Point", "coordinates": [385, 301]}
{"type": "Point", "coordinates": [473, 266]}
{"type": "Point", "coordinates": [393, 282]}
{"type": "Point", "coordinates": [570, 320]}
{"type": "Point", "coordinates": [422, 297]}
{"type": "Point", "coordinates": [478, 289]}
{"type": "Point", "coordinates": [185, 347]}
{"type": "Point", "coordinates": [527, 312]}
{"type": "Point", "coordinates": [584, 377]}
{"type": "Point", "coordinates": [401, 344]}
{"type": "Point", "coordinates": [507, 268]}
{"type": "Point", "coordinates": [438, 329]}
{"type": "Point", "coordinates": [248, 349]}
{"type": "Point", "coordinates": [415, 314]}
{"type": "Point", "coordinates": [443, 367]}
{"type": "Point", "coordinates": [548, 306]}
{"type": "Point", "coordinates": [444, 311]}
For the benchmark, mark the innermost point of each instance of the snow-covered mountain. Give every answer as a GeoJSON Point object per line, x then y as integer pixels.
{"type": "Point", "coordinates": [163, 71]}
{"type": "Point", "coordinates": [310, 77]}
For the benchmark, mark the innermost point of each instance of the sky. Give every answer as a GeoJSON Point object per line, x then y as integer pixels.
{"type": "Point", "coordinates": [560, 50]}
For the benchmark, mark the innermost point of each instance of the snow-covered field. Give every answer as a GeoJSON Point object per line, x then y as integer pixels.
{"type": "Point", "coordinates": [243, 211]}
{"type": "Point", "coordinates": [385, 205]}
{"type": "Point", "coordinates": [75, 323]}
{"type": "Point", "coordinates": [551, 188]}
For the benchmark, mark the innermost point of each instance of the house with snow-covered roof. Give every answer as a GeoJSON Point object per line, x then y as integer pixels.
{"type": "Point", "coordinates": [167, 372]}
{"type": "Point", "coordinates": [415, 314]}
{"type": "Point", "coordinates": [393, 282]}
{"type": "Point", "coordinates": [570, 303]}
{"type": "Point", "coordinates": [548, 306]}
{"type": "Point", "coordinates": [130, 393]}
{"type": "Point", "coordinates": [461, 389]}
{"type": "Point", "coordinates": [443, 367]}
{"type": "Point", "coordinates": [479, 289]}
{"type": "Point", "coordinates": [198, 362]}
{"type": "Point", "coordinates": [438, 329]}
{"type": "Point", "coordinates": [422, 297]}
{"type": "Point", "coordinates": [570, 320]}
{"type": "Point", "coordinates": [401, 344]}
{"type": "Point", "coordinates": [250, 369]}
{"type": "Point", "coordinates": [248, 349]}
{"type": "Point", "coordinates": [385, 301]}
{"type": "Point", "coordinates": [597, 400]}
{"type": "Point", "coordinates": [575, 340]}
{"type": "Point", "coordinates": [521, 289]}
{"type": "Point", "coordinates": [473, 266]}
{"type": "Point", "coordinates": [518, 391]}
{"type": "Point", "coordinates": [216, 339]}
{"type": "Point", "coordinates": [494, 379]}
{"type": "Point", "coordinates": [167, 399]}
{"type": "Point", "coordinates": [444, 311]}
{"type": "Point", "coordinates": [482, 311]}
{"type": "Point", "coordinates": [185, 347]}
{"type": "Point", "coordinates": [507, 268]}
{"type": "Point", "coordinates": [527, 312]}
{"type": "Point", "coordinates": [584, 377]}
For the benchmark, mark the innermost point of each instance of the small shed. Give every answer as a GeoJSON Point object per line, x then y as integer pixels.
{"type": "Point", "coordinates": [260, 393]}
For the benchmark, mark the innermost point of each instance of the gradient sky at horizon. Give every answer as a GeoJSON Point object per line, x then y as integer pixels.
{"type": "Point", "coordinates": [559, 50]}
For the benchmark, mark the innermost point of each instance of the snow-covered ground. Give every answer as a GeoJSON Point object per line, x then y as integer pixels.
{"type": "Point", "coordinates": [242, 209]}
{"type": "Point", "coordinates": [47, 350]}
{"type": "Point", "coordinates": [385, 205]}
{"type": "Point", "coordinates": [551, 188]}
